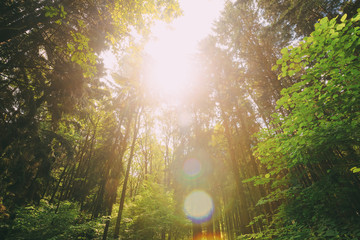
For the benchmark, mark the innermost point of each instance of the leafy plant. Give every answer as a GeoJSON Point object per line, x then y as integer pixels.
{"type": "Point", "coordinates": [41, 222]}
{"type": "Point", "coordinates": [152, 213]}
{"type": "Point", "coordinates": [309, 149]}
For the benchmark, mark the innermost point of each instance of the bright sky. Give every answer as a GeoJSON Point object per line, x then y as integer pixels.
{"type": "Point", "coordinates": [172, 47]}
{"type": "Point", "coordinates": [183, 34]}
{"type": "Point", "coordinates": [174, 44]}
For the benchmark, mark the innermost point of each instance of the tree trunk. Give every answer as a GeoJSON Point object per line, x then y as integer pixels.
{"type": "Point", "coordinates": [123, 192]}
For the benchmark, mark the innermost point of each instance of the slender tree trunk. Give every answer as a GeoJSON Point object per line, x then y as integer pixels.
{"type": "Point", "coordinates": [163, 234]}
{"type": "Point", "coordinates": [123, 192]}
{"type": "Point", "coordinates": [107, 223]}
{"type": "Point", "coordinates": [58, 184]}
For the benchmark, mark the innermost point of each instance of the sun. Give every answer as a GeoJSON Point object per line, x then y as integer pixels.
{"type": "Point", "coordinates": [170, 72]}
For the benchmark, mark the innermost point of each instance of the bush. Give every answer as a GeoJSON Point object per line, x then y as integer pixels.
{"type": "Point", "coordinates": [41, 222]}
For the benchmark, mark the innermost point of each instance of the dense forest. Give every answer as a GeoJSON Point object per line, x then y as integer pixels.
{"type": "Point", "coordinates": [265, 146]}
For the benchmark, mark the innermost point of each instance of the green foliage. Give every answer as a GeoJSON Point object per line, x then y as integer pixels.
{"type": "Point", "coordinates": [51, 11]}
{"type": "Point", "coordinates": [290, 229]}
{"type": "Point", "coordinates": [79, 52]}
{"type": "Point", "coordinates": [41, 222]}
{"type": "Point", "coordinates": [50, 83]}
{"type": "Point", "coordinates": [355, 169]}
{"type": "Point", "coordinates": [151, 213]}
{"type": "Point", "coordinates": [297, 17]}
{"type": "Point", "coordinates": [64, 138]}
{"type": "Point", "coordinates": [309, 149]}
{"type": "Point", "coordinates": [325, 104]}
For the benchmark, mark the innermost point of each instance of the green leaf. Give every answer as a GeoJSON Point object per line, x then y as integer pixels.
{"type": "Point", "coordinates": [340, 26]}
{"type": "Point", "coordinates": [73, 58]}
{"type": "Point", "coordinates": [284, 51]}
{"type": "Point", "coordinates": [324, 21]}
{"type": "Point", "coordinates": [356, 18]}
{"type": "Point", "coordinates": [335, 35]}
{"type": "Point", "coordinates": [343, 18]}
{"type": "Point", "coordinates": [275, 67]}
{"type": "Point", "coordinates": [309, 39]}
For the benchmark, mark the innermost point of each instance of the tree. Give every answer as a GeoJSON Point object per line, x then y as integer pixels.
{"type": "Point", "coordinates": [152, 211]}
{"type": "Point", "coordinates": [310, 153]}
{"type": "Point", "coordinates": [49, 68]}
{"type": "Point", "coordinates": [299, 17]}
{"type": "Point", "coordinates": [59, 138]}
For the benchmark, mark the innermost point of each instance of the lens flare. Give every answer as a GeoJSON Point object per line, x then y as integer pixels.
{"type": "Point", "coordinates": [198, 206]}
{"type": "Point", "coordinates": [192, 167]}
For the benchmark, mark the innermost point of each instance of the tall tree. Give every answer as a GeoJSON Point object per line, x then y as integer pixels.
{"type": "Point", "coordinates": [316, 144]}
{"type": "Point", "coordinates": [49, 67]}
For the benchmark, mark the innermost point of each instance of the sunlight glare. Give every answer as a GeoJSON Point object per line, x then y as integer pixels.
{"type": "Point", "coordinates": [198, 206]}
{"type": "Point", "coordinates": [185, 119]}
{"type": "Point", "coordinates": [173, 46]}
{"type": "Point", "coordinates": [170, 72]}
